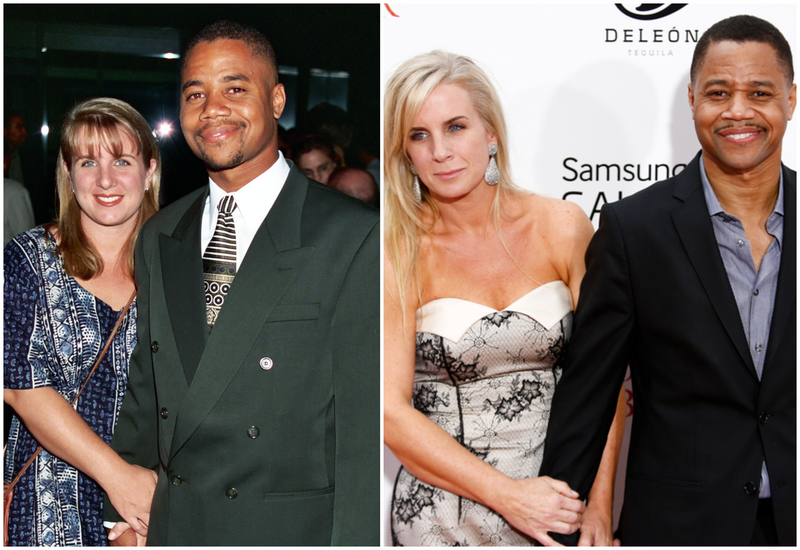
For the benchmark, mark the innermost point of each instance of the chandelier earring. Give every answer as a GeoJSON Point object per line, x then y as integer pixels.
{"type": "Point", "coordinates": [492, 175]}
{"type": "Point", "coordinates": [415, 187]}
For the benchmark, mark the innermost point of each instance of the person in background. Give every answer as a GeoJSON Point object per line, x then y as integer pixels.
{"type": "Point", "coordinates": [333, 122]}
{"type": "Point", "coordinates": [17, 209]}
{"type": "Point", "coordinates": [14, 134]}
{"type": "Point", "coordinates": [317, 157]}
{"type": "Point", "coordinates": [355, 182]}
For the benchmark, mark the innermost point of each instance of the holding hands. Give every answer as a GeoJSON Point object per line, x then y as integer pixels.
{"type": "Point", "coordinates": [131, 494]}
{"type": "Point", "coordinates": [123, 535]}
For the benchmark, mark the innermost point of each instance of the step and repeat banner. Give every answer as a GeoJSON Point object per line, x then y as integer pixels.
{"type": "Point", "coordinates": [595, 95]}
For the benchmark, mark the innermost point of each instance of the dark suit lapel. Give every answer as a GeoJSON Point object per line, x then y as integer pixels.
{"type": "Point", "coordinates": [786, 294]}
{"type": "Point", "coordinates": [696, 232]}
{"type": "Point", "coordinates": [182, 270]}
{"type": "Point", "coordinates": [271, 264]}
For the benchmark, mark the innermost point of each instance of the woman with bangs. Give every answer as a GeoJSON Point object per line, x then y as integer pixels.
{"type": "Point", "coordinates": [480, 283]}
{"type": "Point", "coordinates": [67, 284]}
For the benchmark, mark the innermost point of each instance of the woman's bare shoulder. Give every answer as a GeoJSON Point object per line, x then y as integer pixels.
{"type": "Point", "coordinates": [556, 215]}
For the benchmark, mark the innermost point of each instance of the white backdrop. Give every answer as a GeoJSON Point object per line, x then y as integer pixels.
{"type": "Point", "coordinates": [595, 100]}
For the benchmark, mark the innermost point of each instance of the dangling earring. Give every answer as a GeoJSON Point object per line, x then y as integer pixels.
{"type": "Point", "coordinates": [415, 187]}
{"type": "Point", "coordinates": [492, 175]}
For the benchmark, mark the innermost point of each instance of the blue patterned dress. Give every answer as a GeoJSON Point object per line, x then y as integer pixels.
{"type": "Point", "coordinates": [54, 330]}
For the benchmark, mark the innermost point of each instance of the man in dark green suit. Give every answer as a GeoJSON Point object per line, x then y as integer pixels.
{"type": "Point", "coordinates": [265, 429]}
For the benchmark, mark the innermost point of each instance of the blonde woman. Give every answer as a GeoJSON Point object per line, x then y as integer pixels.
{"type": "Point", "coordinates": [65, 285]}
{"type": "Point", "coordinates": [481, 279]}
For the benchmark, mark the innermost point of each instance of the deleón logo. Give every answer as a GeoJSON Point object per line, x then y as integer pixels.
{"type": "Point", "coordinates": [649, 12]}
{"type": "Point", "coordinates": [653, 37]}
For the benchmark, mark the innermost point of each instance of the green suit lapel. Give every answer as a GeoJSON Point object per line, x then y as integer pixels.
{"type": "Point", "coordinates": [272, 262]}
{"type": "Point", "coordinates": [182, 270]}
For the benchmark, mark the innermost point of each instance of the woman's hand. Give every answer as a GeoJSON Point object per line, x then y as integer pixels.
{"type": "Point", "coordinates": [59, 428]}
{"type": "Point", "coordinates": [538, 505]}
{"type": "Point", "coordinates": [131, 493]}
{"type": "Point", "coordinates": [596, 527]}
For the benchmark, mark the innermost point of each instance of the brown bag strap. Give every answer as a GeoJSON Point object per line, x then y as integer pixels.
{"type": "Point", "coordinates": [10, 486]}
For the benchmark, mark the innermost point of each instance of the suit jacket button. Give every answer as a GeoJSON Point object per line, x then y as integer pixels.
{"type": "Point", "coordinates": [763, 417]}
{"type": "Point", "coordinates": [265, 363]}
{"type": "Point", "coordinates": [176, 480]}
{"type": "Point", "coordinates": [164, 413]}
{"type": "Point", "coordinates": [154, 347]}
{"type": "Point", "coordinates": [749, 488]}
{"type": "Point", "coordinates": [231, 493]}
{"type": "Point", "coordinates": [252, 432]}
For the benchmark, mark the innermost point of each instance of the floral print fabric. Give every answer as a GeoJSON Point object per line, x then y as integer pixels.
{"type": "Point", "coordinates": [492, 392]}
{"type": "Point", "coordinates": [53, 332]}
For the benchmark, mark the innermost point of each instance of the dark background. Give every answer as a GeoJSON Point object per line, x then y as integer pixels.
{"type": "Point", "coordinates": [57, 55]}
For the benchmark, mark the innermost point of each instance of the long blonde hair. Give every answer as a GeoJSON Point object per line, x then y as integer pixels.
{"type": "Point", "coordinates": [101, 122]}
{"type": "Point", "coordinates": [406, 92]}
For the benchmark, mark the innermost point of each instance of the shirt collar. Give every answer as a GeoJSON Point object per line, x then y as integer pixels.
{"type": "Point", "coordinates": [255, 199]}
{"type": "Point", "coordinates": [715, 208]}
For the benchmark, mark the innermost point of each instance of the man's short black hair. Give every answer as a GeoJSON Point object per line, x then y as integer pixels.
{"type": "Point", "coordinates": [744, 28]}
{"type": "Point", "coordinates": [231, 30]}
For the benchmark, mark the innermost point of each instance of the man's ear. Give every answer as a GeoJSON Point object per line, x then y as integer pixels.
{"type": "Point", "coordinates": [278, 100]}
{"type": "Point", "coordinates": [691, 99]}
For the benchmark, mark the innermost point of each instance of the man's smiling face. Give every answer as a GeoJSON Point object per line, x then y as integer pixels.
{"type": "Point", "coordinates": [230, 103]}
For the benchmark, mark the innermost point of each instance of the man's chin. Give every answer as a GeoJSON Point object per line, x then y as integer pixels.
{"type": "Point", "coordinates": [217, 165]}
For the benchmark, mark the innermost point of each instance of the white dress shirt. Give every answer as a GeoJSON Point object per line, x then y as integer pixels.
{"type": "Point", "coordinates": [253, 203]}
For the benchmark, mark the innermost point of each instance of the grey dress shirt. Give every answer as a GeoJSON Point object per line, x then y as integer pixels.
{"type": "Point", "coordinates": [754, 290]}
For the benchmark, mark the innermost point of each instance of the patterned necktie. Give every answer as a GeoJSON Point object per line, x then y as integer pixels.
{"type": "Point", "coordinates": [219, 260]}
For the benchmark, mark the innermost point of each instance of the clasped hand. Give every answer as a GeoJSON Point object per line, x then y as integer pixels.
{"type": "Point", "coordinates": [538, 505]}
{"type": "Point", "coordinates": [131, 494]}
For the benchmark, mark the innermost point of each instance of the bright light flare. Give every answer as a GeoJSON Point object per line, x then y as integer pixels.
{"type": "Point", "coordinates": [164, 129]}
{"type": "Point", "coordinates": [45, 129]}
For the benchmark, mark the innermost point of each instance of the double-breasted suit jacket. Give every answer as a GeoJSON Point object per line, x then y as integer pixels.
{"type": "Point", "coordinates": [264, 431]}
{"type": "Point", "coordinates": [656, 294]}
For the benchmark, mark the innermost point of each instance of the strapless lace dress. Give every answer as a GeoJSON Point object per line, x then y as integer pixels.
{"type": "Point", "coordinates": [487, 377]}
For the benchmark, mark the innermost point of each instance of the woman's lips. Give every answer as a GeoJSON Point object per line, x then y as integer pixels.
{"type": "Point", "coordinates": [108, 200]}
{"type": "Point", "coordinates": [449, 174]}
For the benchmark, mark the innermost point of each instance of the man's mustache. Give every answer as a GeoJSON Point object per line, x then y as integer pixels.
{"type": "Point", "coordinates": [209, 126]}
{"type": "Point", "coordinates": [745, 125]}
